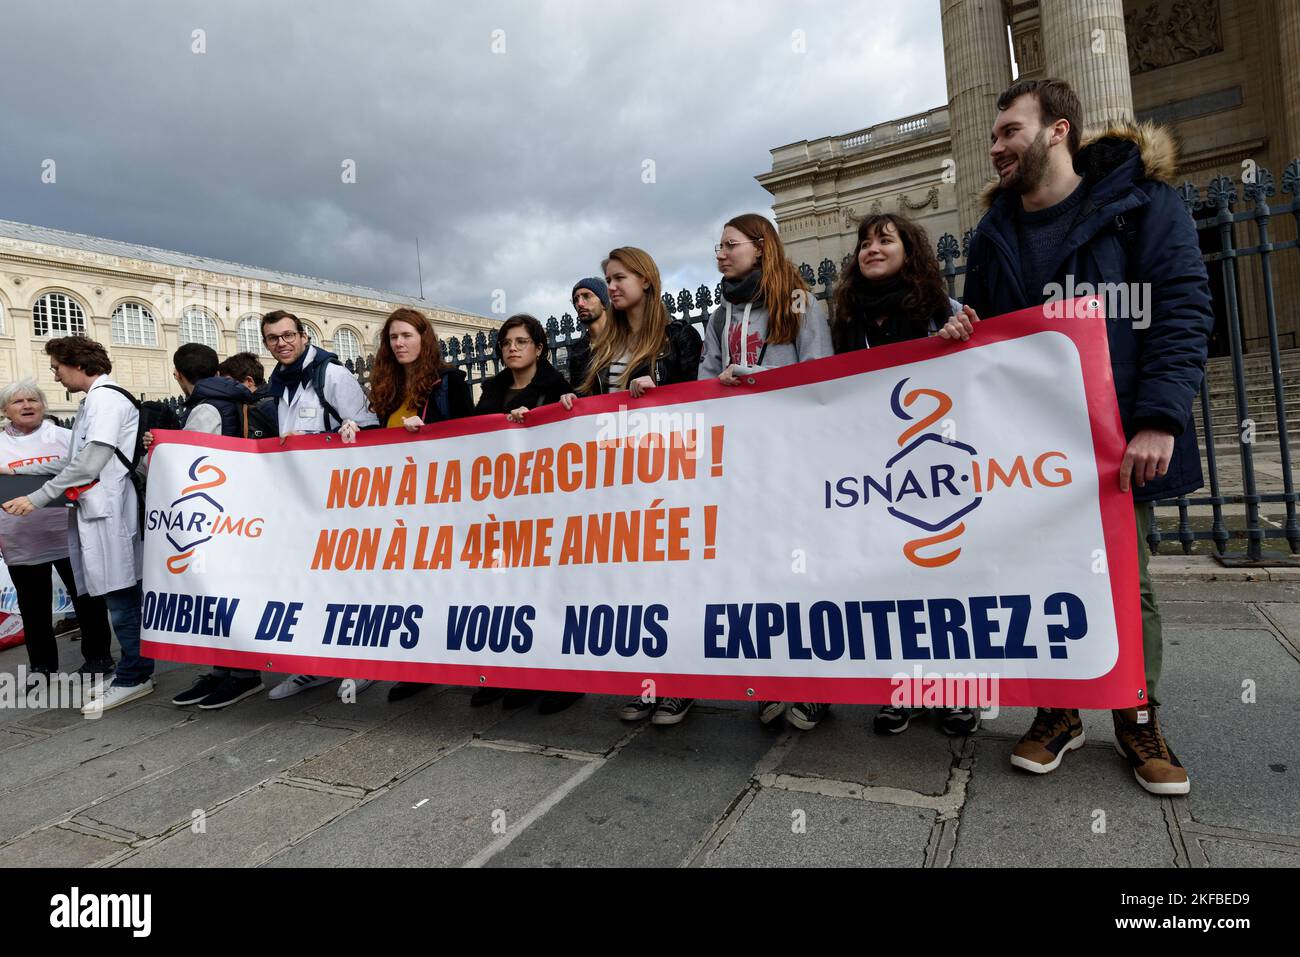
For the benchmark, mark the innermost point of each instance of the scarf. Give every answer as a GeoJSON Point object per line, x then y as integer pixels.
{"type": "Point", "coordinates": [881, 318]}
{"type": "Point", "coordinates": [883, 298]}
{"type": "Point", "coordinates": [745, 289]}
{"type": "Point", "coordinates": [288, 378]}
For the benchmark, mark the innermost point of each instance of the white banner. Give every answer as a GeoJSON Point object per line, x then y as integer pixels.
{"type": "Point", "coordinates": [821, 533]}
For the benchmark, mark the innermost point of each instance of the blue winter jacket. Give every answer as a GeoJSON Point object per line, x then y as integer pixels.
{"type": "Point", "coordinates": [1132, 228]}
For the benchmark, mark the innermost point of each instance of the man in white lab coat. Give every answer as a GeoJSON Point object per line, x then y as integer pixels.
{"type": "Point", "coordinates": [104, 539]}
{"type": "Point", "coordinates": [313, 393]}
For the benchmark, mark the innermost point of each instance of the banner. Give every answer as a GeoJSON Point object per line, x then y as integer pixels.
{"type": "Point", "coordinates": [843, 530]}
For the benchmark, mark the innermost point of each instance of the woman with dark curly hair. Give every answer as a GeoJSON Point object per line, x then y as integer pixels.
{"type": "Point", "coordinates": [894, 292]}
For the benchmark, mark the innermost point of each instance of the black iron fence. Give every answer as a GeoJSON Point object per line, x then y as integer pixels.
{"type": "Point", "coordinates": [1237, 246]}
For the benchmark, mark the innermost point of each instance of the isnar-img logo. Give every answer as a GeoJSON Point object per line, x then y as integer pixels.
{"type": "Point", "coordinates": [935, 482]}
{"type": "Point", "coordinates": [196, 517]}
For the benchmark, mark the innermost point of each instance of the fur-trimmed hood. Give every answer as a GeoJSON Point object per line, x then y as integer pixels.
{"type": "Point", "coordinates": [1104, 151]}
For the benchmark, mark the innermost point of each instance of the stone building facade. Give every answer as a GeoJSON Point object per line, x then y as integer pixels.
{"type": "Point", "coordinates": [1224, 75]}
{"type": "Point", "coordinates": [143, 303]}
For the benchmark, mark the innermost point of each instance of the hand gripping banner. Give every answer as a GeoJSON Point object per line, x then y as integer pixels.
{"type": "Point", "coordinates": [850, 529]}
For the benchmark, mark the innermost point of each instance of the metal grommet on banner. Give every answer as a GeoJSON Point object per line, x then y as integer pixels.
{"type": "Point", "coordinates": [482, 679]}
{"type": "Point", "coordinates": [750, 692]}
{"type": "Point", "coordinates": [749, 380]}
{"type": "Point", "coordinates": [1142, 695]}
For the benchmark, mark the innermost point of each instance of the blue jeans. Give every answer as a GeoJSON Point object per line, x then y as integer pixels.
{"type": "Point", "coordinates": [124, 613]}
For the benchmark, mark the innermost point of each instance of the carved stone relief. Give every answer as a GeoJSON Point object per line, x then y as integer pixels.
{"type": "Point", "coordinates": [1164, 32]}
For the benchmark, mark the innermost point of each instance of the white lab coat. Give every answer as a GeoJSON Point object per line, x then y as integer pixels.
{"type": "Point", "coordinates": [305, 414]}
{"type": "Point", "coordinates": [104, 540]}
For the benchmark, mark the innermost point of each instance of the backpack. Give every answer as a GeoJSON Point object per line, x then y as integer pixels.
{"type": "Point", "coordinates": [153, 415]}
{"type": "Point", "coordinates": [260, 418]}
{"type": "Point", "coordinates": [248, 417]}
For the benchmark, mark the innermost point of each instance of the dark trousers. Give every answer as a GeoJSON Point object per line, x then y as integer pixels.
{"type": "Point", "coordinates": [35, 593]}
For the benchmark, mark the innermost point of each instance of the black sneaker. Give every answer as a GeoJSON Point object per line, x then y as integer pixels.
{"type": "Point", "coordinates": [483, 696]}
{"type": "Point", "coordinates": [892, 720]}
{"type": "Point", "coordinates": [553, 702]}
{"type": "Point", "coordinates": [404, 689]}
{"type": "Point", "coordinates": [959, 721]}
{"type": "Point", "coordinates": [671, 710]}
{"type": "Point", "coordinates": [806, 715]}
{"type": "Point", "coordinates": [637, 708]}
{"type": "Point", "coordinates": [198, 691]}
{"type": "Point", "coordinates": [518, 697]}
{"type": "Point", "coordinates": [230, 690]}
{"type": "Point", "coordinates": [769, 711]}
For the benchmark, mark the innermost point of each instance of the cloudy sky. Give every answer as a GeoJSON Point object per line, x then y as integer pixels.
{"type": "Point", "coordinates": [518, 169]}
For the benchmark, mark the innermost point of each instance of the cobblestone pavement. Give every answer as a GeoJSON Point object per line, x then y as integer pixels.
{"type": "Point", "coordinates": [312, 780]}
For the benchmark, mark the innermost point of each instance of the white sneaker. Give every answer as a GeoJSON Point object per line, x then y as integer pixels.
{"type": "Point", "coordinates": [113, 695]}
{"type": "Point", "coordinates": [353, 687]}
{"type": "Point", "coordinates": [294, 683]}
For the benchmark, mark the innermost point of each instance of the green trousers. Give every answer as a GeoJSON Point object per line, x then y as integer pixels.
{"type": "Point", "coordinates": [1152, 637]}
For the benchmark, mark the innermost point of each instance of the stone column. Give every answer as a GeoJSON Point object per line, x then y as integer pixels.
{"type": "Point", "coordinates": [1086, 46]}
{"type": "Point", "coordinates": [977, 58]}
{"type": "Point", "coordinates": [1288, 41]}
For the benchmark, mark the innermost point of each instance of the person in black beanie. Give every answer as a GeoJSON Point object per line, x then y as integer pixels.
{"type": "Point", "coordinates": [590, 299]}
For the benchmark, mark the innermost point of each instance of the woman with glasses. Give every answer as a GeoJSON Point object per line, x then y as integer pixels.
{"type": "Point", "coordinates": [412, 386]}
{"type": "Point", "coordinates": [639, 350]}
{"type": "Point", "coordinates": [768, 318]}
{"type": "Point", "coordinates": [894, 292]}
{"type": "Point", "coordinates": [37, 544]}
{"type": "Point", "coordinates": [527, 378]}
{"type": "Point", "coordinates": [526, 381]}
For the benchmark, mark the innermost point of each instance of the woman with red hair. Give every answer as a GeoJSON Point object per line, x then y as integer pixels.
{"type": "Point", "coordinates": [412, 386]}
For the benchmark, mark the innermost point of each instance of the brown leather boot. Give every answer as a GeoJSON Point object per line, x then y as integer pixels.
{"type": "Point", "coordinates": [1042, 747]}
{"type": "Point", "coordinates": [1138, 738]}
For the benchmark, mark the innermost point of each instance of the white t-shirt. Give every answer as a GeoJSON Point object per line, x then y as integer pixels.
{"type": "Point", "coordinates": [43, 535]}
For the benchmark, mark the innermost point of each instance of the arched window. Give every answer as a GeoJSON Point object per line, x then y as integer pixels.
{"type": "Point", "coordinates": [313, 335]}
{"type": "Point", "coordinates": [2, 317]}
{"type": "Point", "coordinates": [347, 344]}
{"type": "Point", "coordinates": [197, 326]}
{"type": "Point", "coordinates": [133, 325]}
{"type": "Point", "coordinates": [56, 314]}
{"type": "Point", "coordinates": [250, 336]}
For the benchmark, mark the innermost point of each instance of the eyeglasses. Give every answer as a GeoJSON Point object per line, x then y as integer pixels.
{"type": "Point", "coordinates": [731, 244]}
{"type": "Point", "coordinates": [285, 337]}
{"type": "Point", "coordinates": [517, 343]}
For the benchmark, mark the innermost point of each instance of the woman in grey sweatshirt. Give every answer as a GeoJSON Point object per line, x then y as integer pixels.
{"type": "Point", "coordinates": [767, 318]}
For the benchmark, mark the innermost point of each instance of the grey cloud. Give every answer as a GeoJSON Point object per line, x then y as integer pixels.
{"type": "Point", "coordinates": [517, 171]}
